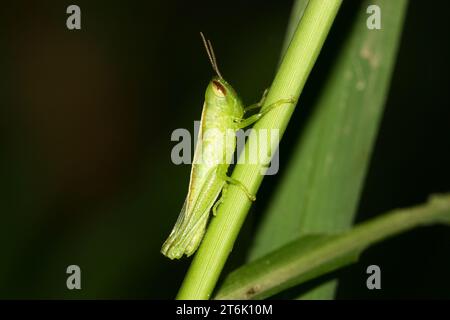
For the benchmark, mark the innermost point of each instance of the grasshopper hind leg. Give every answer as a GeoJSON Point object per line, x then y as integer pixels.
{"type": "Point", "coordinates": [221, 200]}
{"type": "Point", "coordinates": [180, 243]}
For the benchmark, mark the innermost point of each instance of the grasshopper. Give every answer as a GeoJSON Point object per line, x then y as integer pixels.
{"type": "Point", "coordinates": [223, 111]}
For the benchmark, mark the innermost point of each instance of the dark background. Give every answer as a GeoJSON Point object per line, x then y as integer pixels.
{"type": "Point", "coordinates": [86, 118]}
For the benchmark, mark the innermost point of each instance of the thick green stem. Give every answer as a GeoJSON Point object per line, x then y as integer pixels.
{"type": "Point", "coordinates": [288, 83]}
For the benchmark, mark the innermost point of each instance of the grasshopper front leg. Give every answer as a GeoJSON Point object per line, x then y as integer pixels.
{"type": "Point", "coordinates": [259, 104]}
{"type": "Point", "coordinates": [253, 118]}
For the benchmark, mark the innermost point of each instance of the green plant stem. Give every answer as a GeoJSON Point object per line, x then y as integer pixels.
{"type": "Point", "coordinates": [298, 9]}
{"type": "Point", "coordinates": [289, 81]}
{"type": "Point", "coordinates": [304, 259]}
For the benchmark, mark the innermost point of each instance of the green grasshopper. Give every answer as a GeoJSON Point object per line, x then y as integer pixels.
{"type": "Point", "coordinates": [223, 112]}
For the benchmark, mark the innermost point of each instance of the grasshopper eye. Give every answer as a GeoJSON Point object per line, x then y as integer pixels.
{"type": "Point", "coordinates": [219, 89]}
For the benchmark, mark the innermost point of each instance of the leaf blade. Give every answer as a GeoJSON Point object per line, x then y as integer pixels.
{"type": "Point", "coordinates": [312, 256]}
{"type": "Point", "coordinates": [329, 164]}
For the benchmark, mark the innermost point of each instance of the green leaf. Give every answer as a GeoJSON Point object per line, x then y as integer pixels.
{"type": "Point", "coordinates": [312, 256]}
{"type": "Point", "coordinates": [320, 190]}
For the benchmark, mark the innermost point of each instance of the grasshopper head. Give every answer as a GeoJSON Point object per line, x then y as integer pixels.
{"type": "Point", "coordinates": [221, 94]}
{"type": "Point", "coordinates": [220, 89]}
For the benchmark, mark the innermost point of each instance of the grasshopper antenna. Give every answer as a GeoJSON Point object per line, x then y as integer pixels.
{"type": "Point", "coordinates": [211, 55]}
